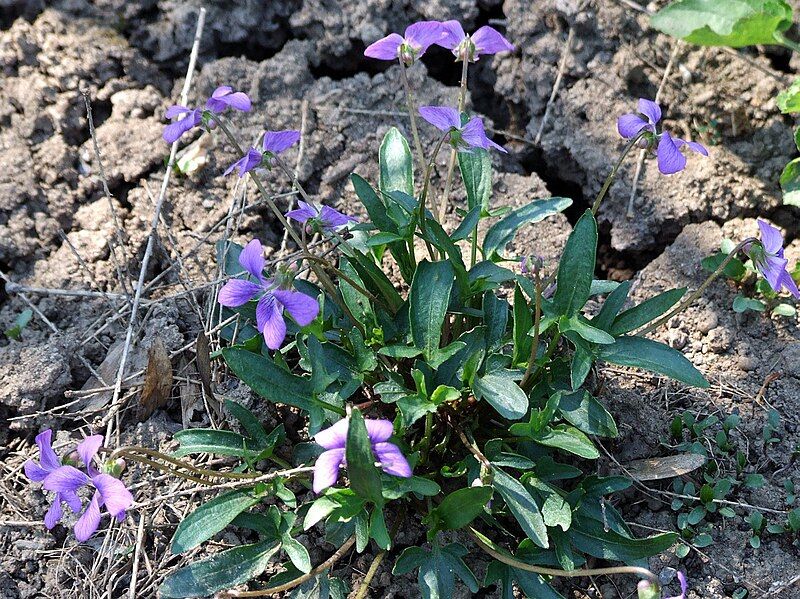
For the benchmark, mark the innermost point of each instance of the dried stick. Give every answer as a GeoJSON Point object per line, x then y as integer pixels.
{"type": "Point", "coordinates": [201, 18]}
{"type": "Point", "coordinates": [556, 86]}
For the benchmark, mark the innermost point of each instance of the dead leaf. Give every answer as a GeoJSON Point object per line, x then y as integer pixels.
{"type": "Point", "coordinates": [157, 381]}
{"type": "Point", "coordinates": [203, 353]}
{"type": "Point", "coordinates": [108, 375]}
{"type": "Point", "coordinates": [666, 467]}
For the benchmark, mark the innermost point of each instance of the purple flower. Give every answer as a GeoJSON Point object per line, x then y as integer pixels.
{"type": "Point", "coordinates": [269, 311]}
{"type": "Point", "coordinates": [224, 97]}
{"type": "Point", "coordinates": [684, 586]}
{"type": "Point", "coordinates": [768, 259]}
{"type": "Point", "coordinates": [417, 39]}
{"type": "Point", "coordinates": [49, 462]}
{"type": "Point", "coordinates": [670, 158]}
{"type": "Point", "coordinates": [334, 439]}
{"type": "Point", "coordinates": [462, 137]}
{"type": "Point", "coordinates": [328, 218]}
{"type": "Point", "coordinates": [188, 119]}
{"type": "Point", "coordinates": [486, 40]}
{"type": "Point", "coordinates": [109, 491]}
{"type": "Point", "coordinates": [246, 163]}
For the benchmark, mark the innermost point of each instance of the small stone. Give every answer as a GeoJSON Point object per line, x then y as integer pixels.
{"type": "Point", "coordinates": [677, 339]}
{"type": "Point", "coordinates": [706, 321]}
{"type": "Point", "coordinates": [747, 363]}
{"type": "Point", "coordinates": [791, 359]}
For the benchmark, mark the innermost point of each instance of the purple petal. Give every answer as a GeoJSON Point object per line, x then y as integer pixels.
{"type": "Point", "coordinates": [72, 499]}
{"type": "Point", "coordinates": [252, 259]}
{"type": "Point", "coordinates": [385, 48]}
{"type": "Point", "coordinates": [488, 40]}
{"type": "Point", "coordinates": [788, 282]}
{"type": "Point", "coordinates": [670, 159]}
{"type": "Point", "coordinates": [420, 36]}
{"type": "Point", "coordinates": [238, 164]}
{"type": "Point", "coordinates": [173, 132]}
{"type": "Point", "coordinates": [54, 514]}
{"type": "Point", "coordinates": [177, 110]}
{"type": "Point", "coordinates": [441, 117]}
{"type": "Point", "coordinates": [269, 318]}
{"type": "Point", "coordinates": [649, 109]}
{"type": "Point", "coordinates": [222, 90]}
{"type": "Point", "coordinates": [378, 431]}
{"type": "Point", "coordinates": [280, 141]}
{"type": "Point", "coordinates": [239, 101]}
{"type": "Point", "coordinates": [629, 125]}
{"type": "Point", "coordinates": [771, 238]}
{"type": "Point", "coordinates": [333, 219]}
{"type": "Point", "coordinates": [113, 492]}
{"type": "Point", "coordinates": [35, 472]}
{"type": "Point", "coordinates": [696, 147]}
{"type": "Point", "coordinates": [773, 268]}
{"type": "Point", "coordinates": [47, 456]}
{"type": "Point", "coordinates": [303, 308]}
{"type": "Point", "coordinates": [454, 35]}
{"type": "Point", "coordinates": [65, 479]}
{"type": "Point", "coordinates": [250, 161]}
{"type": "Point", "coordinates": [475, 136]}
{"type": "Point", "coordinates": [326, 469]}
{"type": "Point", "coordinates": [87, 524]}
{"type": "Point", "coordinates": [684, 586]}
{"type": "Point", "coordinates": [88, 448]}
{"type": "Point", "coordinates": [333, 437]}
{"type": "Point", "coordinates": [237, 292]}
{"type": "Point", "coordinates": [303, 213]}
{"type": "Point", "coordinates": [392, 459]}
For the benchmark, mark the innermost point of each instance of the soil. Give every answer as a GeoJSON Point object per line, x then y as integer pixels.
{"type": "Point", "coordinates": [301, 62]}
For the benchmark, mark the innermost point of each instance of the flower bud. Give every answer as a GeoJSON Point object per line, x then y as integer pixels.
{"type": "Point", "coordinates": [647, 589]}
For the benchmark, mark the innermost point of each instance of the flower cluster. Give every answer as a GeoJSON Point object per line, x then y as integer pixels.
{"type": "Point", "coordinates": [334, 439]}
{"type": "Point", "coordinates": [448, 34]}
{"type": "Point", "coordinates": [185, 118]}
{"type": "Point", "coordinates": [66, 480]}
{"type": "Point", "coordinates": [273, 301]}
{"type": "Point", "coordinates": [668, 152]}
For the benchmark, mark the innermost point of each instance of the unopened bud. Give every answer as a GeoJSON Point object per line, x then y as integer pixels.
{"type": "Point", "coordinates": [648, 590]}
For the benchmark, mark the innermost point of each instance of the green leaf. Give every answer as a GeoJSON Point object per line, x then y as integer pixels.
{"type": "Point", "coordinates": [476, 172]}
{"type": "Point", "coordinates": [586, 413]}
{"type": "Point", "coordinates": [365, 478]}
{"type": "Point", "coordinates": [495, 317]}
{"type": "Point", "coordinates": [221, 571]}
{"type": "Point", "coordinates": [569, 439]}
{"type": "Point", "coordinates": [580, 367]}
{"type": "Point", "coordinates": [461, 507]}
{"type": "Point", "coordinates": [438, 569]}
{"type": "Point", "coordinates": [581, 326]}
{"type": "Point", "coordinates": [218, 442]}
{"type": "Point", "coordinates": [733, 23]}
{"type": "Point", "coordinates": [502, 232]}
{"type": "Point", "coordinates": [522, 505]}
{"type": "Point", "coordinates": [576, 269]}
{"type": "Point", "coordinates": [249, 422]}
{"type": "Point", "coordinates": [428, 300]}
{"type": "Point", "coordinates": [298, 554]}
{"type": "Point", "coordinates": [210, 518]}
{"type": "Point", "coordinates": [733, 270]}
{"type": "Point", "coordinates": [469, 223]}
{"type": "Point", "coordinates": [647, 311]}
{"type": "Point", "coordinates": [22, 320]}
{"type": "Point", "coordinates": [396, 164]}
{"type": "Point", "coordinates": [530, 583]}
{"type": "Point", "coordinates": [789, 100]}
{"type": "Point", "coordinates": [269, 380]}
{"type": "Point", "coordinates": [502, 393]}
{"type": "Point", "coordinates": [784, 310]}
{"type": "Point", "coordinates": [612, 306]}
{"type": "Point", "coordinates": [523, 321]}
{"type": "Point", "coordinates": [651, 355]}
{"type": "Point", "coordinates": [378, 530]}
{"type": "Point", "coordinates": [743, 304]}
{"type": "Point", "coordinates": [588, 535]}
{"type": "Point", "coordinates": [375, 207]}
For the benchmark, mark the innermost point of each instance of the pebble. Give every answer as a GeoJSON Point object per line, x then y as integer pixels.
{"type": "Point", "coordinates": [706, 321]}
{"type": "Point", "coordinates": [747, 363]}
{"type": "Point", "coordinates": [791, 359]}
{"type": "Point", "coordinates": [677, 339]}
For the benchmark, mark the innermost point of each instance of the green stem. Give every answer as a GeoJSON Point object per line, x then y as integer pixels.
{"type": "Point", "coordinates": [699, 291]}
{"type": "Point", "coordinates": [426, 440]}
{"type": "Point", "coordinates": [547, 354]}
{"type": "Point", "coordinates": [412, 112]}
{"type": "Point", "coordinates": [537, 319]}
{"type": "Point", "coordinates": [631, 143]}
{"type": "Point", "coordinates": [451, 165]}
{"type": "Point", "coordinates": [423, 196]}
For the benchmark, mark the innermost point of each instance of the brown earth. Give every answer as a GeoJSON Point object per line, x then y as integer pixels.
{"type": "Point", "coordinates": [302, 61]}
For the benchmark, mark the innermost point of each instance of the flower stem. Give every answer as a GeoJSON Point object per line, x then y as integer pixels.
{"type": "Point", "coordinates": [699, 291]}
{"type": "Point", "coordinates": [631, 143]}
{"type": "Point", "coordinates": [537, 319]}
{"type": "Point", "coordinates": [131, 452]}
{"type": "Point", "coordinates": [451, 165]}
{"type": "Point", "coordinates": [423, 196]}
{"type": "Point", "coordinates": [412, 112]}
{"type": "Point", "coordinates": [514, 563]}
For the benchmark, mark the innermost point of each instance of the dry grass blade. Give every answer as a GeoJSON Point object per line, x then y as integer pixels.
{"type": "Point", "coordinates": [204, 364]}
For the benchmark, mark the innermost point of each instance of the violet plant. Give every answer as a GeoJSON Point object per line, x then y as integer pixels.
{"type": "Point", "coordinates": [456, 394]}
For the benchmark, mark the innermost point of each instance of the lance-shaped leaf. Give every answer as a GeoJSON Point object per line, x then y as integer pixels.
{"type": "Point", "coordinates": [365, 479]}
{"type": "Point", "coordinates": [461, 507]}
{"type": "Point", "coordinates": [428, 301]}
{"type": "Point", "coordinates": [476, 172]}
{"type": "Point", "coordinates": [576, 269]}
{"type": "Point", "coordinates": [438, 569]}
{"type": "Point", "coordinates": [210, 518]}
{"type": "Point", "coordinates": [652, 355]}
{"type": "Point", "coordinates": [396, 166]}
{"type": "Point", "coordinates": [523, 506]}
{"type": "Point", "coordinates": [502, 232]}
